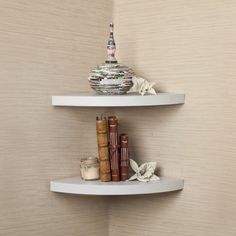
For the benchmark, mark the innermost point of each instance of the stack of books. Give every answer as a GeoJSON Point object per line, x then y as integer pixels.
{"type": "Point", "coordinates": [112, 150]}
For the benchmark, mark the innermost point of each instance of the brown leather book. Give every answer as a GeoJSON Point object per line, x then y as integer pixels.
{"type": "Point", "coordinates": [124, 157]}
{"type": "Point", "coordinates": [103, 149]}
{"type": "Point", "coordinates": [114, 148]}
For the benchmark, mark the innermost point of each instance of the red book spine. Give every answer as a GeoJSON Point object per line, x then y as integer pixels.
{"type": "Point", "coordinates": [114, 148]}
{"type": "Point", "coordinates": [124, 157]}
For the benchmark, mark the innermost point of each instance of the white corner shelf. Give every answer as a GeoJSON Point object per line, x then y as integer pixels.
{"type": "Point", "coordinates": [76, 185]}
{"type": "Point", "coordinates": [129, 100]}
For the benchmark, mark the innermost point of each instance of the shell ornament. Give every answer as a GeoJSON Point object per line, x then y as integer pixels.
{"type": "Point", "coordinates": [142, 86]}
{"type": "Point", "coordinates": [145, 172]}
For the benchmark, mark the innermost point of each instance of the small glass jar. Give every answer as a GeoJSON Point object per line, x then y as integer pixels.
{"type": "Point", "coordinates": [89, 168]}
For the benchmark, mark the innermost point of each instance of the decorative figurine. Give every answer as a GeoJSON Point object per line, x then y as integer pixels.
{"type": "Point", "coordinates": [111, 78]}
{"type": "Point", "coordinates": [142, 86]}
{"type": "Point", "coordinates": [145, 172]}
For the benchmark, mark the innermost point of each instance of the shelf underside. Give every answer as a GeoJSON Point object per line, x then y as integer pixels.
{"type": "Point", "coordinates": [129, 100]}
{"type": "Point", "coordinates": [75, 185]}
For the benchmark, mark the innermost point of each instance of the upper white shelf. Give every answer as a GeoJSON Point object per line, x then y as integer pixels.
{"type": "Point", "coordinates": [130, 100]}
{"type": "Point", "coordinates": [75, 185]}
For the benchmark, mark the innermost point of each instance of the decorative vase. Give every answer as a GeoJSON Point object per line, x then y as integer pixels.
{"type": "Point", "coordinates": [111, 77]}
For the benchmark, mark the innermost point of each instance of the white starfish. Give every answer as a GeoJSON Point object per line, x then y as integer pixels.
{"type": "Point", "coordinates": [145, 172]}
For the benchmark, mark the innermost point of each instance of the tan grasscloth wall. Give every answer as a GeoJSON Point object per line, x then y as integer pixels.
{"type": "Point", "coordinates": [48, 47]}
{"type": "Point", "coordinates": [184, 46]}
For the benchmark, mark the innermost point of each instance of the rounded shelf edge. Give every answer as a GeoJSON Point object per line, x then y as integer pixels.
{"type": "Point", "coordinates": [75, 185]}
{"type": "Point", "coordinates": [130, 100]}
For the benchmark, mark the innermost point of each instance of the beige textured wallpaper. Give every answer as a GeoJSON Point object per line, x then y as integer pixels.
{"type": "Point", "coordinates": [184, 46]}
{"type": "Point", "coordinates": [47, 48]}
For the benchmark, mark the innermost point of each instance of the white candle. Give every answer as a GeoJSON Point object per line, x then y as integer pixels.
{"type": "Point", "coordinates": [89, 168]}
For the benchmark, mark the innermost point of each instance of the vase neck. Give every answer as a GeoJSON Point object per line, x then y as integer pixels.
{"type": "Point", "coordinates": [111, 46]}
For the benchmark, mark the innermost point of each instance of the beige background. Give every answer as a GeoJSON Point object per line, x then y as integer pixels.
{"type": "Point", "coordinates": [48, 47]}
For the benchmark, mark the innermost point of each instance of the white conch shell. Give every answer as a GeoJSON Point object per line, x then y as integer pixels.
{"type": "Point", "coordinates": [145, 172]}
{"type": "Point", "coordinates": [142, 86]}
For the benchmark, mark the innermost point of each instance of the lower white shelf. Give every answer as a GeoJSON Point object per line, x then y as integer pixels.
{"type": "Point", "coordinates": [76, 185]}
